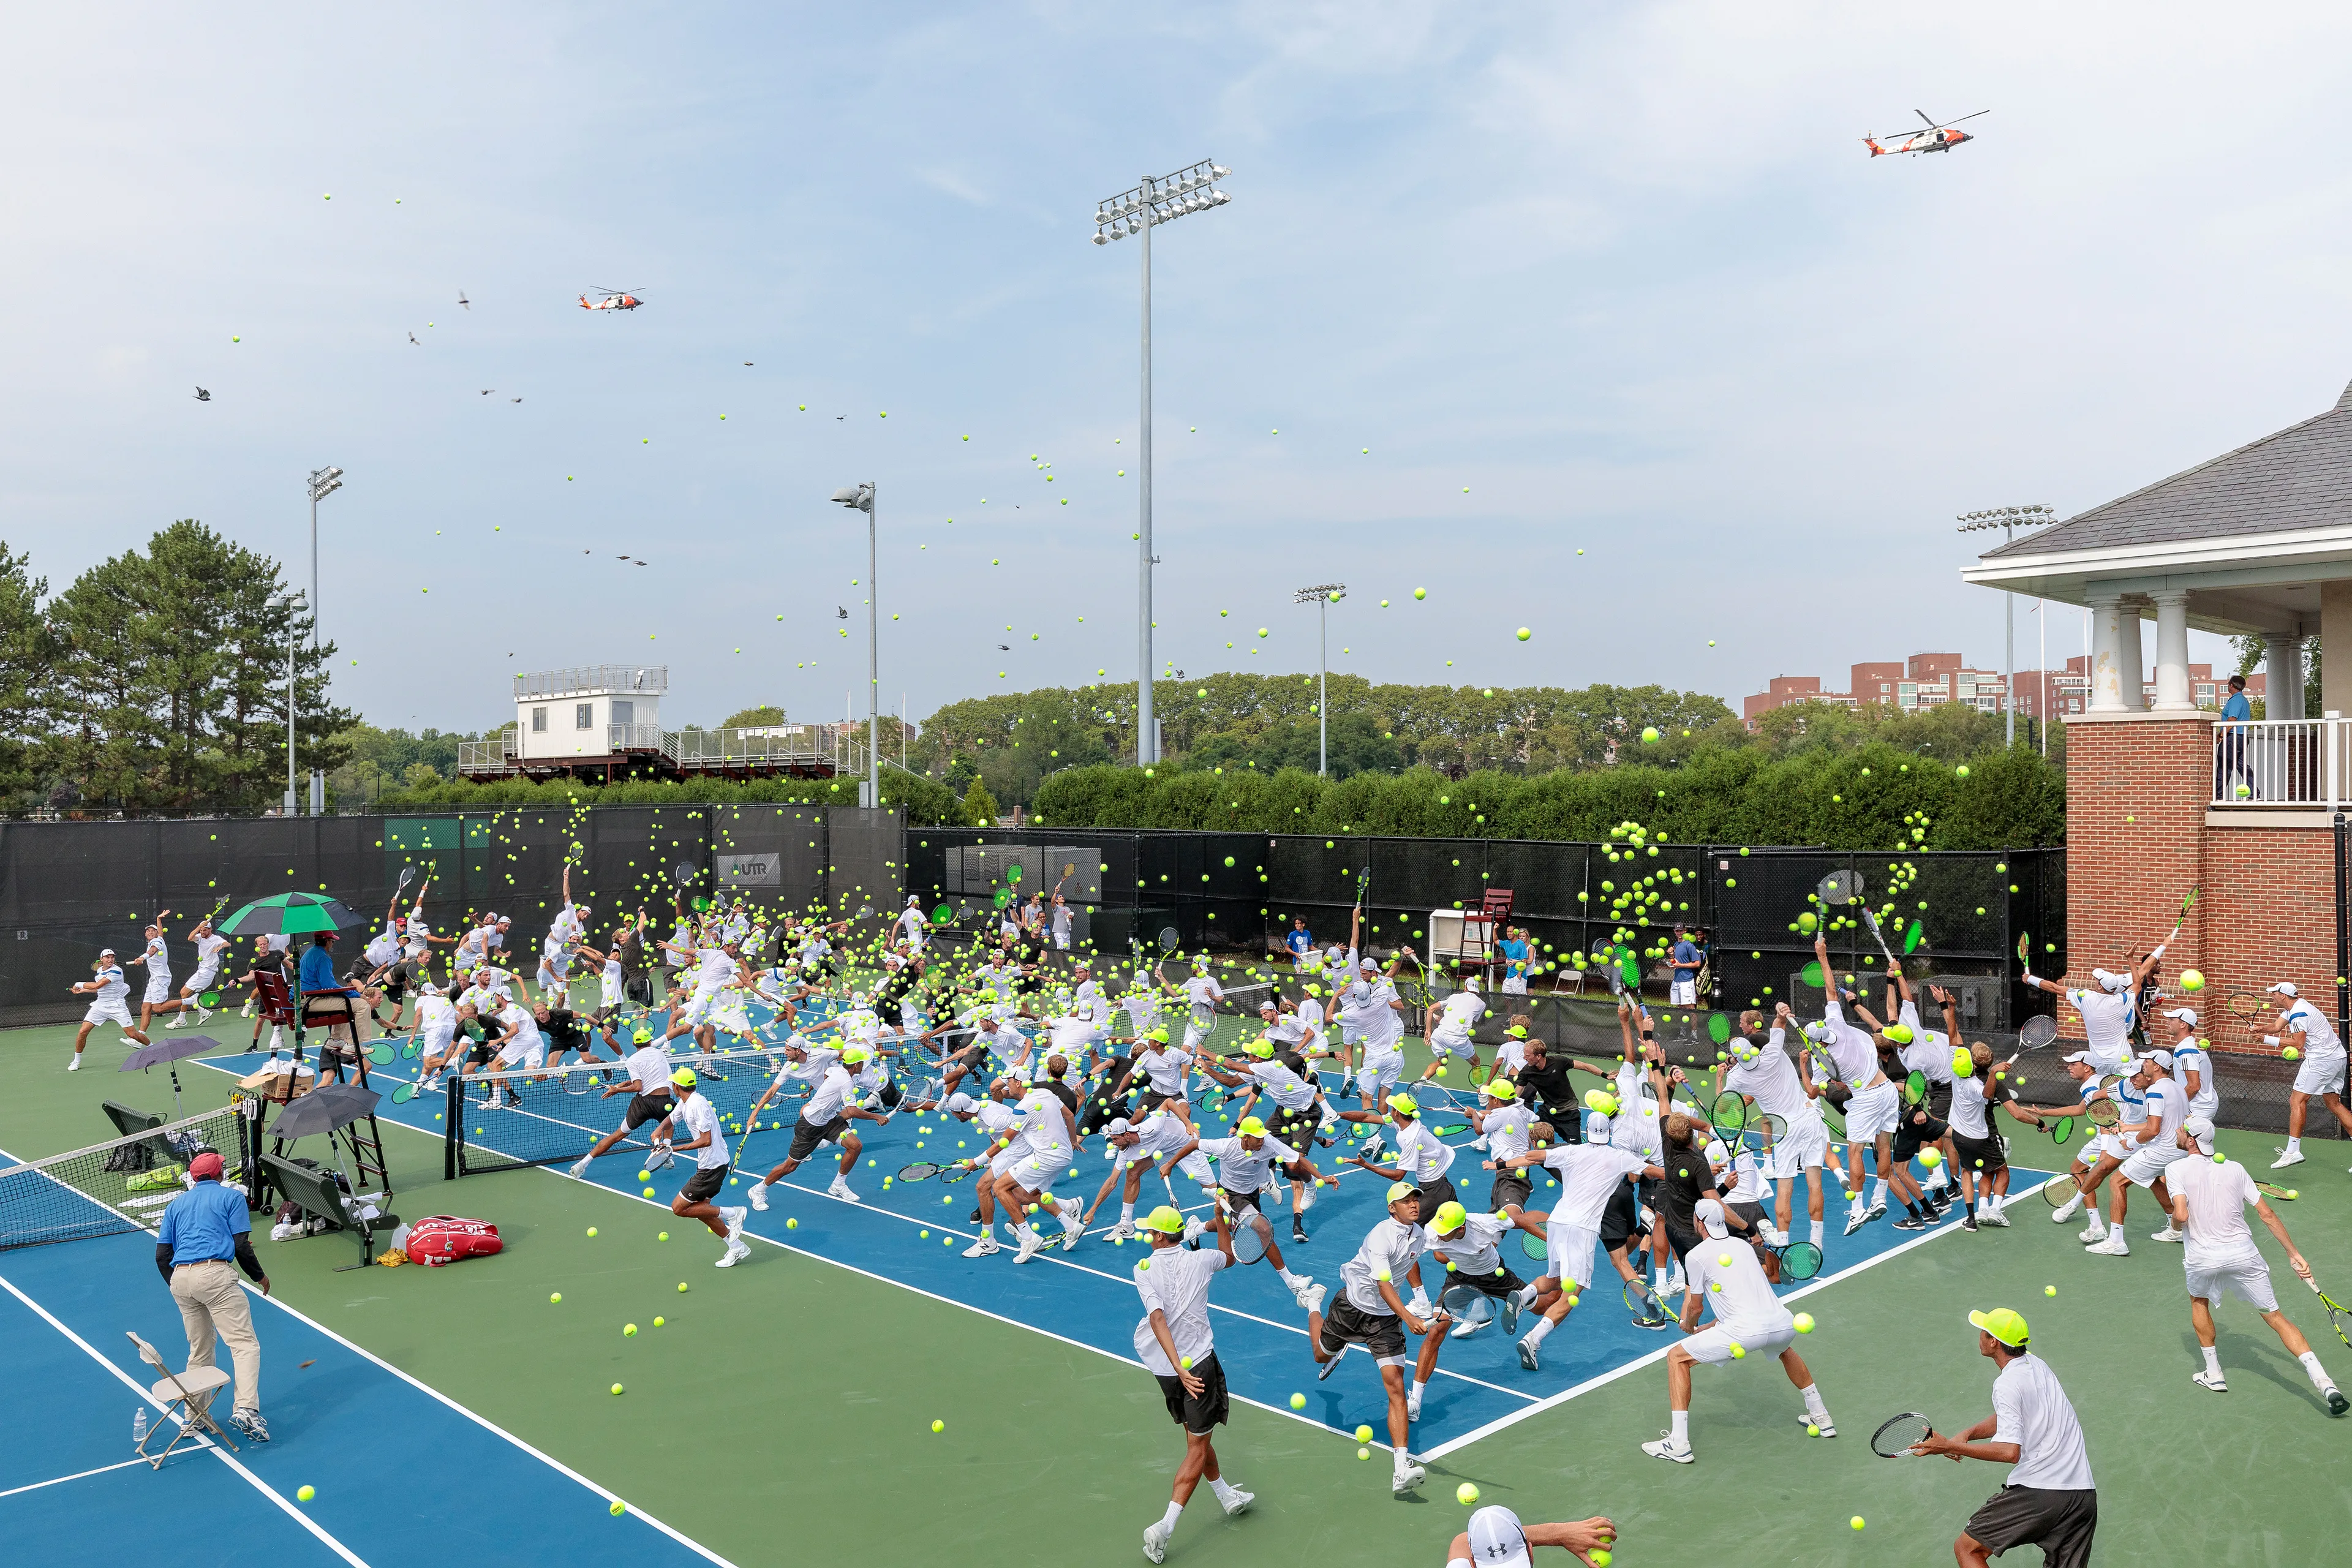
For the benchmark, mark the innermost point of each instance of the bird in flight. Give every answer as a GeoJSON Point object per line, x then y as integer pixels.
{"type": "Point", "coordinates": [747, 362]}
{"type": "Point", "coordinates": [514, 400]}
{"type": "Point", "coordinates": [488, 389]}
{"type": "Point", "coordinates": [412, 338]}
{"type": "Point", "coordinates": [203, 396]}
{"type": "Point", "coordinates": [1004, 647]}
{"type": "Point", "coordinates": [463, 300]}
{"type": "Point", "coordinates": [841, 417]}
{"type": "Point", "coordinates": [840, 612]}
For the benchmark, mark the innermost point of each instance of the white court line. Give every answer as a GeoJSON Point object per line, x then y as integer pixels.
{"type": "Point", "coordinates": [264, 1488]}
{"type": "Point", "coordinates": [1614, 1373]}
{"type": "Point", "coordinates": [79, 1475]}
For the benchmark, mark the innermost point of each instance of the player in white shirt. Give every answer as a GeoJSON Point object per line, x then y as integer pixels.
{"type": "Point", "coordinates": [1372, 1312]}
{"type": "Point", "coordinates": [647, 1084]}
{"type": "Point", "coordinates": [156, 959]}
{"type": "Point", "coordinates": [2304, 1029]}
{"type": "Point", "coordinates": [1447, 1028]}
{"type": "Point", "coordinates": [105, 992]}
{"type": "Point", "coordinates": [2050, 1499]}
{"type": "Point", "coordinates": [2107, 1008]}
{"type": "Point", "coordinates": [911, 925]}
{"type": "Point", "coordinates": [1846, 1054]}
{"type": "Point", "coordinates": [2088, 1152]}
{"type": "Point", "coordinates": [2193, 1065]}
{"type": "Point", "coordinates": [1051, 1134]}
{"type": "Point", "coordinates": [2210, 1195]}
{"type": "Point", "coordinates": [1246, 1164]}
{"type": "Point", "coordinates": [1160, 1137]}
{"type": "Point", "coordinates": [1164, 1067]}
{"type": "Point", "coordinates": [709, 1146]}
{"type": "Point", "coordinates": [1202, 994]}
{"type": "Point", "coordinates": [1728, 1279]}
{"type": "Point", "coordinates": [209, 945]}
{"type": "Point", "coordinates": [1976, 1144]}
{"type": "Point", "coordinates": [1762, 1072]}
{"type": "Point", "coordinates": [517, 1044]}
{"type": "Point", "coordinates": [1175, 1344]}
{"type": "Point", "coordinates": [1423, 1157]}
{"type": "Point", "coordinates": [1590, 1174]}
{"type": "Point", "coordinates": [2132, 1095]}
{"type": "Point", "coordinates": [437, 1042]}
{"type": "Point", "coordinates": [1060, 921]}
{"type": "Point", "coordinates": [1372, 1006]}
{"type": "Point", "coordinates": [826, 1118]}
{"type": "Point", "coordinates": [1469, 1248]}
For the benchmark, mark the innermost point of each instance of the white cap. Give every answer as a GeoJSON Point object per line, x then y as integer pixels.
{"type": "Point", "coordinates": [1269, 1006]}
{"type": "Point", "coordinates": [2200, 1132]}
{"type": "Point", "coordinates": [2109, 980]}
{"type": "Point", "coordinates": [1335, 952]}
{"type": "Point", "coordinates": [960, 1104]}
{"type": "Point", "coordinates": [1117, 1125]}
{"type": "Point", "coordinates": [1820, 1032]}
{"type": "Point", "coordinates": [2160, 1057]}
{"type": "Point", "coordinates": [1368, 961]}
{"type": "Point", "coordinates": [2285, 988]}
{"type": "Point", "coordinates": [1496, 1540]}
{"type": "Point", "coordinates": [2077, 1057]}
{"type": "Point", "coordinates": [1596, 1129]}
{"type": "Point", "coordinates": [2185, 1015]}
{"type": "Point", "coordinates": [106, 952]}
{"type": "Point", "coordinates": [1710, 1215]}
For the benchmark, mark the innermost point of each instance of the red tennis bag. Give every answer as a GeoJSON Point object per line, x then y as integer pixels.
{"type": "Point", "coordinates": [445, 1239]}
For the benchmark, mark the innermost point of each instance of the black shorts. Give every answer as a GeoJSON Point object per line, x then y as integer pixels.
{"type": "Point", "coordinates": [645, 1108]}
{"type": "Point", "coordinates": [1621, 1218]}
{"type": "Point", "coordinates": [1678, 1240]}
{"type": "Point", "coordinates": [480, 1053]}
{"type": "Point", "coordinates": [638, 988]}
{"type": "Point", "coordinates": [1498, 1283]}
{"type": "Point", "coordinates": [1511, 1189]}
{"type": "Point", "coordinates": [1198, 1413]}
{"type": "Point", "coordinates": [2060, 1523]}
{"type": "Point", "coordinates": [1433, 1195]}
{"type": "Point", "coordinates": [704, 1185]}
{"type": "Point", "coordinates": [1346, 1324]}
{"type": "Point", "coordinates": [1752, 1213]}
{"type": "Point", "coordinates": [1294, 1128]}
{"type": "Point", "coordinates": [808, 1135]}
{"type": "Point", "coordinates": [395, 981]}
{"type": "Point", "coordinates": [1982, 1155]}
{"type": "Point", "coordinates": [1910, 1136]}
{"type": "Point", "coordinates": [1236, 1202]}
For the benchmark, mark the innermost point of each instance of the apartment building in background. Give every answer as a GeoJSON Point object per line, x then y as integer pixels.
{"type": "Point", "coordinates": [1931, 679]}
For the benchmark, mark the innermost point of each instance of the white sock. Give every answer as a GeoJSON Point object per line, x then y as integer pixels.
{"type": "Point", "coordinates": [1022, 1234]}
{"type": "Point", "coordinates": [1877, 1192]}
{"type": "Point", "coordinates": [1126, 1213]}
{"type": "Point", "coordinates": [1681, 1419]}
{"type": "Point", "coordinates": [1536, 1335]}
{"type": "Point", "coordinates": [1421, 1385]}
{"type": "Point", "coordinates": [2212, 1360]}
{"type": "Point", "coordinates": [1167, 1521]}
{"type": "Point", "coordinates": [2316, 1373]}
{"type": "Point", "coordinates": [1813, 1406]}
{"type": "Point", "coordinates": [2294, 1145]}
{"type": "Point", "coordinates": [1817, 1226]}
{"type": "Point", "coordinates": [1528, 1296]}
{"type": "Point", "coordinates": [1289, 1279]}
{"type": "Point", "coordinates": [1224, 1493]}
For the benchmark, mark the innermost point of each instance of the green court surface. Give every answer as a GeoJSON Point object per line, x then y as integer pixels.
{"type": "Point", "coordinates": [784, 1413]}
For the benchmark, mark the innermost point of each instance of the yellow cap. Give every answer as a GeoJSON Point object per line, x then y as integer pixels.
{"type": "Point", "coordinates": [1251, 1127]}
{"type": "Point", "coordinates": [1165, 1220]}
{"type": "Point", "coordinates": [683, 1077]}
{"type": "Point", "coordinates": [1400, 1191]}
{"type": "Point", "coordinates": [2003, 1324]}
{"type": "Point", "coordinates": [1261, 1047]}
{"type": "Point", "coordinates": [1501, 1088]}
{"type": "Point", "coordinates": [1899, 1032]}
{"type": "Point", "coordinates": [853, 1055]}
{"type": "Point", "coordinates": [1449, 1218]}
{"type": "Point", "coordinates": [1403, 1105]}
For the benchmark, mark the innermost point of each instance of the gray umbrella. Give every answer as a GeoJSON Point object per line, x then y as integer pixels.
{"type": "Point", "coordinates": [324, 1110]}
{"type": "Point", "coordinates": [165, 1051]}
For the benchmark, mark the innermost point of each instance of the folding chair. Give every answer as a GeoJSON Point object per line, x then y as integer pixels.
{"type": "Point", "coordinates": [182, 1390]}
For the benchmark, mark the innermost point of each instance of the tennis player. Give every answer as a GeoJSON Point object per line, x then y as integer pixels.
{"type": "Point", "coordinates": [1423, 1157]}
{"type": "Point", "coordinates": [647, 1086]}
{"type": "Point", "coordinates": [1245, 1165]}
{"type": "Point", "coordinates": [1849, 1055]}
{"type": "Point", "coordinates": [1175, 1344]}
{"type": "Point", "coordinates": [1469, 1246]}
{"type": "Point", "coordinates": [105, 992]}
{"type": "Point", "coordinates": [1156, 1138]}
{"type": "Point", "coordinates": [825, 1119]}
{"type": "Point", "coordinates": [1762, 1071]}
{"type": "Point", "coordinates": [1050, 1130]}
{"type": "Point", "coordinates": [1371, 1313]}
{"type": "Point", "coordinates": [709, 1147]}
{"type": "Point", "coordinates": [2210, 1199]}
{"type": "Point", "coordinates": [1727, 1278]}
{"type": "Point", "coordinates": [209, 945]}
{"type": "Point", "coordinates": [1590, 1173]}
{"type": "Point", "coordinates": [2049, 1499]}
{"type": "Point", "coordinates": [1447, 1026]}
{"type": "Point", "coordinates": [1984, 1162]}
{"type": "Point", "coordinates": [2303, 1028]}
{"type": "Point", "coordinates": [1496, 1539]}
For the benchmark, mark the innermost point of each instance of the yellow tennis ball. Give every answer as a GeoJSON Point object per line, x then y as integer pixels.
{"type": "Point", "coordinates": [645, 1175]}
{"type": "Point", "coordinates": [1467, 1493]}
{"type": "Point", "coordinates": [617, 1388]}
{"type": "Point", "coordinates": [1930, 1158]}
{"type": "Point", "coordinates": [1739, 1351]}
{"type": "Point", "coordinates": [2050, 1290]}
{"type": "Point", "coordinates": [792, 1225]}
{"type": "Point", "coordinates": [657, 1322]}
{"type": "Point", "coordinates": [939, 1426]}
{"type": "Point", "coordinates": [663, 1237]}
{"type": "Point", "coordinates": [1524, 633]}
{"type": "Point", "coordinates": [305, 1494]}
{"type": "Point", "coordinates": [1963, 1064]}
{"type": "Point", "coordinates": [1811, 1430]}
{"type": "Point", "coordinates": [1298, 1402]}
{"type": "Point", "coordinates": [1804, 1323]}
{"type": "Point", "coordinates": [681, 1286]}
{"type": "Point", "coordinates": [629, 1330]}
{"type": "Point", "coordinates": [1420, 592]}
{"type": "Point", "coordinates": [557, 1297]}
{"type": "Point", "coordinates": [1600, 1554]}
{"type": "Point", "coordinates": [2290, 1053]}
{"type": "Point", "coordinates": [619, 1507]}
{"type": "Point", "coordinates": [1855, 1522]}
{"type": "Point", "coordinates": [592, 1230]}
{"type": "Point", "coordinates": [1363, 1453]}
{"type": "Point", "coordinates": [2192, 979]}
{"type": "Point", "coordinates": [649, 1192]}
{"type": "Point", "coordinates": [1364, 1434]}
{"type": "Point", "coordinates": [1723, 1260]}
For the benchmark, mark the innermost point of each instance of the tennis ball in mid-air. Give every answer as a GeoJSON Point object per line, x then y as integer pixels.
{"type": "Point", "coordinates": [628, 1330]}
{"type": "Point", "coordinates": [617, 1388]}
{"type": "Point", "coordinates": [1420, 592]}
{"type": "Point", "coordinates": [645, 1175]}
{"type": "Point", "coordinates": [1930, 1158]}
{"type": "Point", "coordinates": [1963, 1064]}
{"type": "Point", "coordinates": [1298, 1402]}
{"type": "Point", "coordinates": [792, 1225]}
{"type": "Point", "coordinates": [2050, 1290]}
{"type": "Point", "coordinates": [1650, 736]}
{"type": "Point", "coordinates": [2192, 979]}
{"type": "Point", "coordinates": [555, 1297]}
{"type": "Point", "coordinates": [1962, 770]}
{"type": "Point", "coordinates": [305, 1494]}
{"type": "Point", "coordinates": [1807, 921]}
{"type": "Point", "coordinates": [1363, 1453]}
{"type": "Point", "coordinates": [649, 1192]}
{"type": "Point", "coordinates": [939, 1426]}
{"type": "Point", "coordinates": [1804, 1323]}
{"type": "Point", "coordinates": [1363, 1434]}
{"type": "Point", "coordinates": [663, 1237]}
{"type": "Point", "coordinates": [592, 1230]}
{"type": "Point", "coordinates": [1229, 861]}
{"type": "Point", "coordinates": [618, 1507]}
{"type": "Point", "coordinates": [657, 1322]}
{"type": "Point", "coordinates": [1855, 1522]}
{"type": "Point", "coordinates": [2290, 1053]}
{"type": "Point", "coordinates": [1524, 633]}
{"type": "Point", "coordinates": [681, 1286]}
{"type": "Point", "coordinates": [1467, 1493]}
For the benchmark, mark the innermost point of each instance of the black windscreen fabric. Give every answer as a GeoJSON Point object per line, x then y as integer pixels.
{"type": "Point", "coordinates": [863, 869]}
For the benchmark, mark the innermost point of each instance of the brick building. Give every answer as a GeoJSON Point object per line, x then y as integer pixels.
{"type": "Point", "coordinates": [1923, 681]}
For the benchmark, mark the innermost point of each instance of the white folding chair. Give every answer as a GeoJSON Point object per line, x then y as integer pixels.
{"type": "Point", "coordinates": [178, 1392]}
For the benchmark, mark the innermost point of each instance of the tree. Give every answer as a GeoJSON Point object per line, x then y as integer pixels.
{"type": "Point", "coordinates": [766, 715]}
{"type": "Point", "coordinates": [25, 656]}
{"type": "Point", "coordinates": [979, 806]}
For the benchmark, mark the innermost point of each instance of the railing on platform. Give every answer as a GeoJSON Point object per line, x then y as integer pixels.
{"type": "Point", "coordinates": [2304, 762]}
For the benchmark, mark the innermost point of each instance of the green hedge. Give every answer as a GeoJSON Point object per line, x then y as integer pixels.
{"type": "Point", "coordinates": [925, 800]}
{"type": "Point", "coordinates": [1851, 800]}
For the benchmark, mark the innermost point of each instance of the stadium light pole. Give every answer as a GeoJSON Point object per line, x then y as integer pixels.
{"type": "Point", "coordinates": [324, 482]}
{"type": "Point", "coordinates": [2009, 519]}
{"type": "Point", "coordinates": [1323, 595]}
{"type": "Point", "coordinates": [292, 604]}
{"type": "Point", "coordinates": [1138, 210]}
{"type": "Point", "coordinates": [861, 499]}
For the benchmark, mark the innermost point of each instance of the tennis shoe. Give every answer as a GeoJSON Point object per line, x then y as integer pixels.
{"type": "Point", "coordinates": [1193, 1229]}
{"type": "Point", "coordinates": [1665, 1448]}
{"type": "Point", "coordinates": [758, 1194]}
{"type": "Point", "coordinates": [1809, 1422]}
{"type": "Point", "coordinates": [250, 1424]}
{"type": "Point", "coordinates": [736, 1252]}
{"type": "Point", "coordinates": [1412, 1404]}
{"type": "Point", "coordinates": [1298, 1232]}
{"type": "Point", "coordinates": [2095, 1231]}
{"type": "Point", "coordinates": [73, 1063]}
{"type": "Point", "coordinates": [2066, 1210]}
{"type": "Point", "coordinates": [1306, 1199]}
{"type": "Point", "coordinates": [2287, 1157]}
{"type": "Point", "coordinates": [2212, 1380]}
{"type": "Point", "coordinates": [1236, 1500]}
{"type": "Point", "coordinates": [734, 1218]}
{"type": "Point", "coordinates": [1155, 1543]}
{"type": "Point", "coordinates": [1876, 1210]}
{"type": "Point", "coordinates": [1854, 1220]}
{"type": "Point", "coordinates": [1528, 1354]}
{"type": "Point", "coordinates": [1912, 1222]}
{"type": "Point", "coordinates": [177, 1019]}
{"type": "Point", "coordinates": [1311, 1298]}
{"type": "Point", "coordinates": [1968, 1221]}
{"type": "Point", "coordinates": [1774, 1236]}
{"type": "Point", "coordinates": [203, 1014]}
{"type": "Point", "coordinates": [1123, 1231]}
{"type": "Point", "coordinates": [1993, 1217]}
{"type": "Point", "coordinates": [1653, 1322]}
{"type": "Point", "coordinates": [1511, 1313]}
{"type": "Point", "coordinates": [1031, 1246]}
{"type": "Point", "coordinates": [2337, 1403]}
{"type": "Point", "coordinates": [580, 1166]}
{"type": "Point", "coordinates": [1408, 1475]}
{"type": "Point", "coordinates": [840, 1189]}
{"type": "Point", "coordinates": [2170, 1233]}
{"type": "Point", "coordinates": [1466, 1327]}
{"type": "Point", "coordinates": [986, 1246]}
{"type": "Point", "coordinates": [2112, 1246]}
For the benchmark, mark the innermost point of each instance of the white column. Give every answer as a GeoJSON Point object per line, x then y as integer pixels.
{"type": "Point", "coordinates": [2172, 694]}
{"type": "Point", "coordinates": [2131, 659]}
{"type": "Point", "coordinates": [2283, 676]}
{"type": "Point", "coordinates": [2106, 618]}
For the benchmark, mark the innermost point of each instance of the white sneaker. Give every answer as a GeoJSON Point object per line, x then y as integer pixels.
{"type": "Point", "coordinates": [840, 1189]}
{"type": "Point", "coordinates": [2066, 1210]}
{"type": "Point", "coordinates": [1466, 1327]}
{"type": "Point", "coordinates": [1407, 1476]}
{"type": "Point", "coordinates": [1413, 1405]}
{"type": "Point", "coordinates": [177, 1019]}
{"type": "Point", "coordinates": [1031, 1246]}
{"type": "Point", "coordinates": [1665, 1448]}
{"type": "Point", "coordinates": [2287, 1157]}
{"type": "Point", "coordinates": [497, 1102]}
{"type": "Point", "coordinates": [1194, 1228]}
{"type": "Point", "coordinates": [1239, 1500]}
{"type": "Point", "coordinates": [986, 1246]}
{"type": "Point", "coordinates": [1993, 1217]}
{"type": "Point", "coordinates": [1876, 1210]}
{"type": "Point", "coordinates": [580, 1166]}
{"type": "Point", "coordinates": [2114, 1247]}
{"type": "Point", "coordinates": [1773, 1236]}
{"type": "Point", "coordinates": [1854, 1220]}
{"type": "Point", "coordinates": [1307, 1198]}
{"type": "Point", "coordinates": [1155, 1543]}
{"type": "Point", "coordinates": [734, 1218]}
{"type": "Point", "coordinates": [758, 1194]}
{"type": "Point", "coordinates": [1123, 1231]}
{"type": "Point", "coordinates": [203, 1014]}
{"type": "Point", "coordinates": [2170, 1233]}
{"type": "Point", "coordinates": [1528, 1354]}
{"type": "Point", "coordinates": [1071, 1230]}
{"type": "Point", "coordinates": [1307, 1293]}
{"type": "Point", "coordinates": [2212, 1380]}
{"type": "Point", "coordinates": [2095, 1231]}
{"type": "Point", "coordinates": [736, 1252]}
{"type": "Point", "coordinates": [1816, 1425]}
{"type": "Point", "coordinates": [73, 1063]}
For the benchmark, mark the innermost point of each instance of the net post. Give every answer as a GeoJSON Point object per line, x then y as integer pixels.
{"type": "Point", "coordinates": [453, 1094]}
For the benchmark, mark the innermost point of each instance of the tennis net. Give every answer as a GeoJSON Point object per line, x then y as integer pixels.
{"type": "Point", "coordinates": [110, 1188]}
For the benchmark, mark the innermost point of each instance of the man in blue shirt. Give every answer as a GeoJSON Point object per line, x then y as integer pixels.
{"type": "Point", "coordinates": [1301, 942]}
{"type": "Point", "coordinates": [2229, 750]}
{"type": "Point", "coordinates": [323, 992]}
{"type": "Point", "coordinates": [1686, 964]}
{"type": "Point", "coordinates": [204, 1230]}
{"type": "Point", "coordinates": [1517, 954]}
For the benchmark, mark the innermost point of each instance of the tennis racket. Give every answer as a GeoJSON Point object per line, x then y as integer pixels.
{"type": "Point", "coordinates": [1871, 921]}
{"type": "Point", "coordinates": [1915, 937]}
{"type": "Point", "coordinates": [1249, 1238]}
{"type": "Point", "coordinates": [2059, 1190]}
{"type": "Point", "coordinates": [2036, 1033]}
{"type": "Point", "coordinates": [1763, 1132]}
{"type": "Point", "coordinates": [2025, 949]}
{"type": "Point", "coordinates": [380, 1052]}
{"type": "Point", "coordinates": [1363, 884]}
{"type": "Point", "coordinates": [1728, 1114]}
{"type": "Point", "coordinates": [1534, 1246]}
{"type": "Point", "coordinates": [2102, 1113]}
{"type": "Point", "coordinates": [944, 915]}
{"type": "Point", "coordinates": [659, 1157]}
{"type": "Point", "coordinates": [2336, 1314]}
{"type": "Point", "coordinates": [1799, 1260]}
{"type": "Point", "coordinates": [409, 1051]}
{"type": "Point", "coordinates": [1168, 938]}
{"type": "Point", "coordinates": [1914, 1089]}
{"type": "Point", "coordinates": [2242, 1003]}
{"type": "Point", "coordinates": [407, 875]}
{"type": "Point", "coordinates": [920, 1170]}
{"type": "Point", "coordinates": [1832, 1119]}
{"type": "Point", "coordinates": [1642, 1302]}
{"type": "Point", "coordinates": [1839, 888]}
{"type": "Point", "coordinates": [1718, 1028]}
{"type": "Point", "coordinates": [2272, 1189]}
{"type": "Point", "coordinates": [2061, 1130]}
{"type": "Point", "coordinates": [1900, 1437]}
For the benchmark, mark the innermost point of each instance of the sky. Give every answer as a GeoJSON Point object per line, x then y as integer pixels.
{"type": "Point", "coordinates": [1595, 321]}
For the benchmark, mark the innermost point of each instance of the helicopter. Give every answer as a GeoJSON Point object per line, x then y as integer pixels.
{"type": "Point", "coordinates": [1935, 139]}
{"type": "Point", "coordinates": [613, 300]}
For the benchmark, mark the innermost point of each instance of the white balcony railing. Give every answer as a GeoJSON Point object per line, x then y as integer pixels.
{"type": "Point", "coordinates": [2301, 763]}
{"type": "Point", "coordinates": [619, 738]}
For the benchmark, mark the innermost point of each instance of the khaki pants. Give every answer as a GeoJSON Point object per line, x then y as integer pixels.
{"type": "Point", "coordinates": [212, 1305]}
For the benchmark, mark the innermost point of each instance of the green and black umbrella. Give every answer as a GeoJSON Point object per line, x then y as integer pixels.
{"type": "Point", "coordinates": [292, 913]}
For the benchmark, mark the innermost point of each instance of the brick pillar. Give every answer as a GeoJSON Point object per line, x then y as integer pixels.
{"type": "Point", "coordinates": [2137, 786]}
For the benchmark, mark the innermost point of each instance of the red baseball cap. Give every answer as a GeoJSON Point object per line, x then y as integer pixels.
{"type": "Point", "coordinates": [205, 1166]}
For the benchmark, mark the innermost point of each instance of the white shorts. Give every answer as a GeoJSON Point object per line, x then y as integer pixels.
{"type": "Point", "coordinates": [1713, 1345]}
{"type": "Point", "coordinates": [530, 1053]}
{"type": "Point", "coordinates": [1448, 1045]}
{"type": "Point", "coordinates": [2318, 1074]}
{"type": "Point", "coordinates": [202, 980]}
{"type": "Point", "coordinates": [1872, 1111]}
{"type": "Point", "coordinates": [1062, 940]}
{"type": "Point", "coordinates": [547, 980]}
{"type": "Point", "coordinates": [698, 1007]}
{"type": "Point", "coordinates": [1515, 985]}
{"type": "Point", "coordinates": [1036, 1173]}
{"type": "Point", "coordinates": [2142, 1166]}
{"type": "Point", "coordinates": [2249, 1281]}
{"type": "Point", "coordinates": [435, 1041]}
{"type": "Point", "coordinates": [100, 1011]}
{"type": "Point", "coordinates": [1196, 1034]}
{"type": "Point", "coordinates": [611, 994]}
{"type": "Point", "coordinates": [1682, 993]}
{"type": "Point", "coordinates": [159, 987]}
{"type": "Point", "coordinates": [1004, 1159]}
{"type": "Point", "coordinates": [1805, 1146]}
{"type": "Point", "coordinates": [1568, 1253]}
{"type": "Point", "coordinates": [733, 1020]}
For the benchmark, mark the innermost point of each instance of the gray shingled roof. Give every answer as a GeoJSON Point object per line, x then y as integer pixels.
{"type": "Point", "coordinates": [2299, 478]}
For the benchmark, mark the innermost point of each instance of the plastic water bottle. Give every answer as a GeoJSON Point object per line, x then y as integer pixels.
{"type": "Point", "coordinates": [138, 1425]}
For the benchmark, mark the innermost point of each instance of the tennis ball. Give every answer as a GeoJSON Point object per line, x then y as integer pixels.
{"type": "Point", "coordinates": [1467, 1493]}
{"type": "Point", "coordinates": [939, 1426]}
{"type": "Point", "coordinates": [649, 1192]}
{"type": "Point", "coordinates": [557, 1297]}
{"type": "Point", "coordinates": [1930, 1158]}
{"type": "Point", "coordinates": [1364, 1434]}
{"type": "Point", "coordinates": [1804, 1323]}
{"type": "Point", "coordinates": [1963, 1064]}
{"type": "Point", "coordinates": [1650, 736]}
{"type": "Point", "coordinates": [305, 1494]}
{"type": "Point", "coordinates": [2290, 1053]}
{"type": "Point", "coordinates": [1962, 770]}
{"type": "Point", "coordinates": [2192, 979]}
{"type": "Point", "coordinates": [1811, 1430]}
{"type": "Point", "coordinates": [618, 1507]}
{"type": "Point", "coordinates": [681, 1286]}
{"type": "Point", "coordinates": [2050, 1290]}
{"type": "Point", "coordinates": [1298, 1402]}
{"type": "Point", "coordinates": [657, 1322]}
{"type": "Point", "coordinates": [1420, 592]}
{"type": "Point", "coordinates": [592, 1230]}
{"type": "Point", "coordinates": [645, 1175]}
{"type": "Point", "coordinates": [1855, 1522]}
{"type": "Point", "coordinates": [1600, 1554]}
{"type": "Point", "coordinates": [617, 1388]}
{"type": "Point", "coordinates": [663, 1237]}
{"type": "Point", "coordinates": [1524, 633]}
{"type": "Point", "coordinates": [628, 1330]}
{"type": "Point", "coordinates": [1739, 1351]}
{"type": "Point", "coordinates": [1363, 1453]}
{"type": "Point", "coordinates": [1723, 1260]}
{"type": "Point", "coordinates": [792, 1225]}
{"type": "Point", "coordinates": [2292, 1193]}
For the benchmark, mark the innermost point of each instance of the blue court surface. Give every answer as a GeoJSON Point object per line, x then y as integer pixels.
{"type": "Point", "coordinates": [912, 1233]}
{"type": "Point", "coordinates": [367, 1438]}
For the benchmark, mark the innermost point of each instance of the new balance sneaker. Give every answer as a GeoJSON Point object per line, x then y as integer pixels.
{"type": "Point", "coordinates": [840, 1189]}
{"type": "Point", "coordinates": [1123, 1231]}
{"type": "Point", "coordinates": [2287, 1157]}
{"type": "Point", "coordinates": [1408, 1475]}
{"type": "Point", "coordinates": [756, 1193]}
{"type": "Point", "coordinates": [986, 1246]}
{"type": "Point", "coordinates": [1668, 1447]}
{"type": "Point", "coordinates": [737, 1250]}
{"type": "Point", "coordinates": [2112, 1246]}
{"type": "Point", "coordinates": [1528, 1354]}
{"type": "Point", "coordinates": [2170, 1233]}
{"type": "Point", "coordinates": [2212, 1380]}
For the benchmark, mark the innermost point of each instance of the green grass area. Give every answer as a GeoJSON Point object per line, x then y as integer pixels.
{"type": "Point", "coordinates": [783, 1411]}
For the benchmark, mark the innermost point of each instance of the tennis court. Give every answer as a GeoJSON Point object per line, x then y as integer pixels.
{"type": "Point", "coordinates": [784, 1409]}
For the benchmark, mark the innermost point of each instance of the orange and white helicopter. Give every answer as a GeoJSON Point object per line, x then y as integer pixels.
{"type": "Point", "coordinates": [1935, 139]}
{"type": "Point", "coordinates": [613, 300]}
